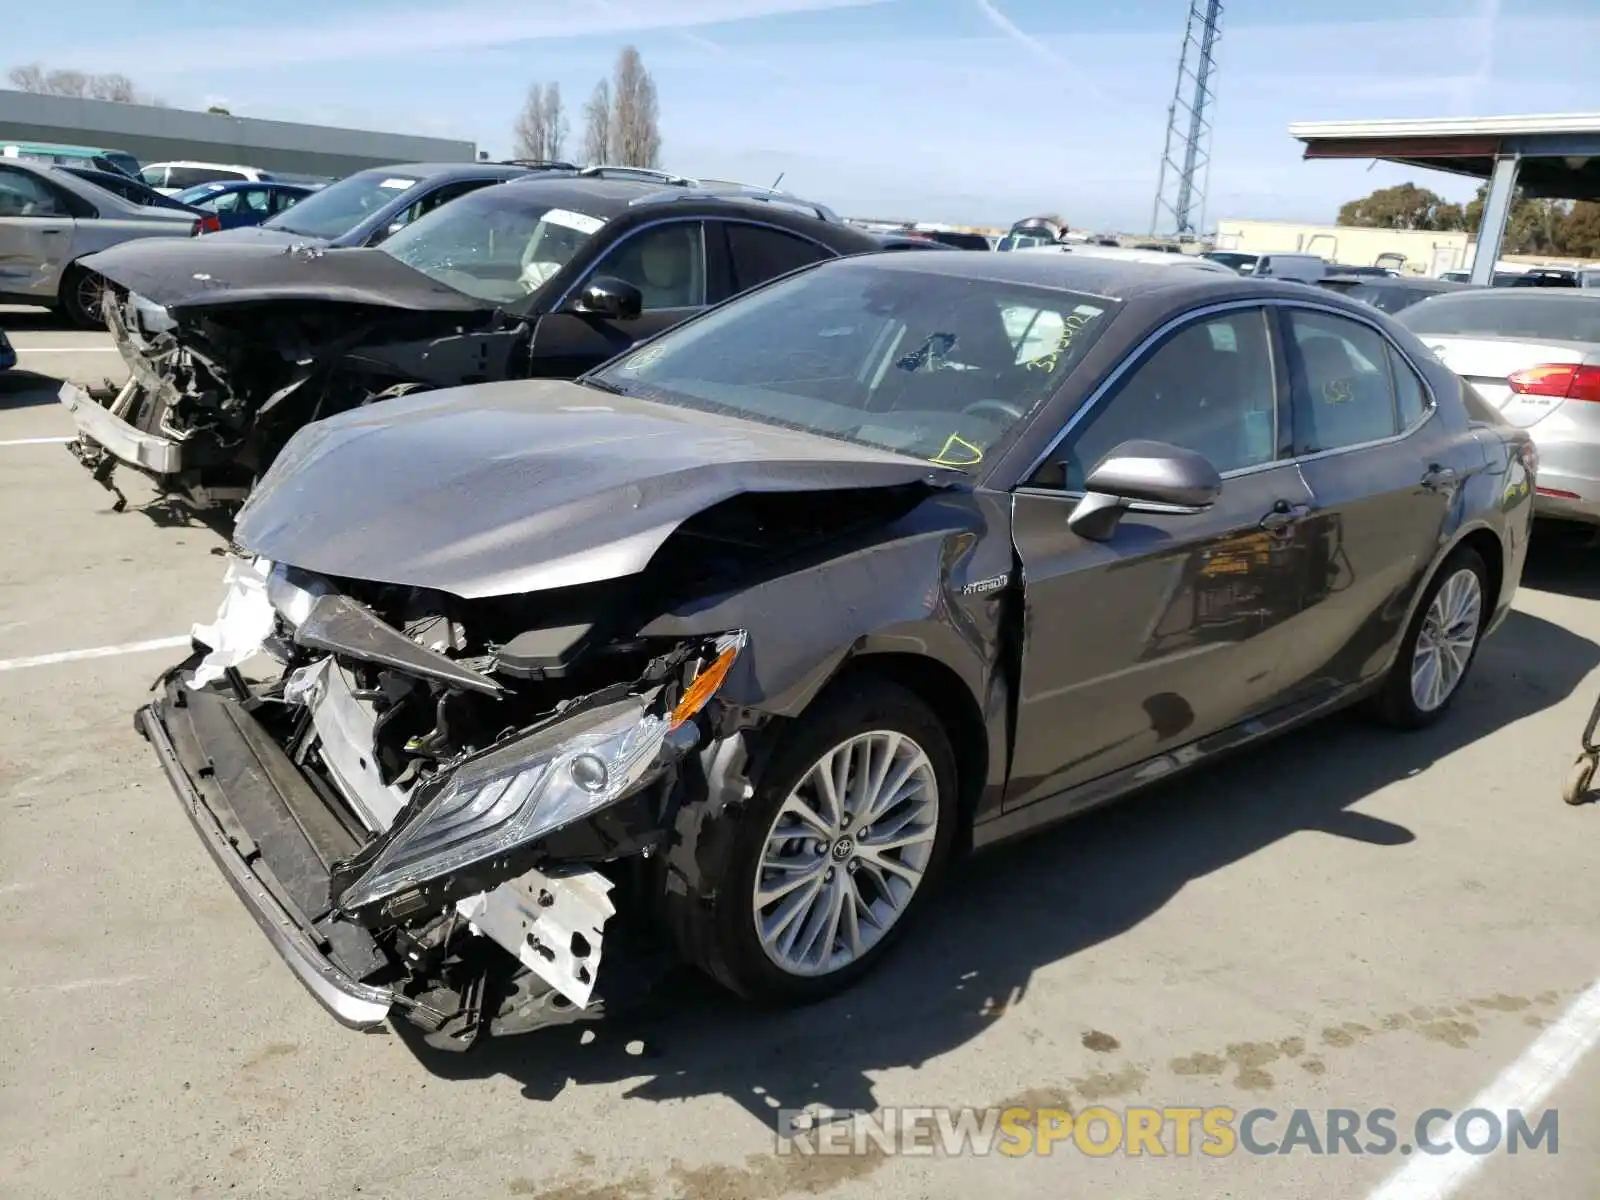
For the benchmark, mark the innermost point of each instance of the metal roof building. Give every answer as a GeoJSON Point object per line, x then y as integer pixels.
{"type": "Point", "coordinates": [1553, 157]}
{"type": "Point", "coordinates": [163, 134]}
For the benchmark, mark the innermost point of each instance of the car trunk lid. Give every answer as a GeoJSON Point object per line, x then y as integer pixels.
{"type": "Point", "coordinates": [1488, 363]}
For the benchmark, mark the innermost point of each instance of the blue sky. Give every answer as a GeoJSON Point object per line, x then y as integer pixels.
{"type": "Point", "coordinates": [964, 110]}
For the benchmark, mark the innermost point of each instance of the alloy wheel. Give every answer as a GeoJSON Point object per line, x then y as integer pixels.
{"type": "Point", "coordinates": [1446, 639]}
{"type": "Point", "coordinates": [846, 853]}
{"type": "Point", "coordinates": [90, 294]}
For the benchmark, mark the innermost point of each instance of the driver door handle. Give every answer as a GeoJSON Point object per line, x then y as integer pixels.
{"type": "Point", "coordinates": [1283, 515]}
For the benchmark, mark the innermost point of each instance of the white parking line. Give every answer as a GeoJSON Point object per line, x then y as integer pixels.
{"type": "Point", "coordinates": [49, 441]}
{"type": "Point", "coordinates": [1525, 1085]}
{"type": "Point", "coordinates": [64, 349]}
{"type": "Point", "coordinates": [65, 656]}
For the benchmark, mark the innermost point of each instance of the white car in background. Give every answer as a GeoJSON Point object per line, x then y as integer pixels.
{"type": "Point", "coordinates": [170, 178]}
{"type": "Point", "coordinates": [1160, 258]}
{"type": "Point", "coordinates": [1534, 355]}
{"type": "Point", "coordinates": [50, 218]}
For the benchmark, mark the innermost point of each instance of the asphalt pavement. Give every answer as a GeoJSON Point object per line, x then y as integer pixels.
{"type": "Point", "coordinates": [1347, 919]}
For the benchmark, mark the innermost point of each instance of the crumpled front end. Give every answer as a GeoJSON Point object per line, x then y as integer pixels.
{"type": "Point", "coordinates": [429, 816]}
{"type": "Point", "coordinates": [214, 392]}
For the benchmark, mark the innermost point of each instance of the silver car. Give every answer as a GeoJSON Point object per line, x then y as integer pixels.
{"type": "Point", "coordinates": [1535, 356]}
{"type": "Point", "coordinates": [49, 219]}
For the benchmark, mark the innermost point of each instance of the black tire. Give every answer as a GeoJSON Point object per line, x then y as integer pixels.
{"type": "Point", "coordinates": [77, 284]}
{"type": "Point", "coordinates": [1394, 704]}
{"type": "Point", "coordinates": [720, 934]}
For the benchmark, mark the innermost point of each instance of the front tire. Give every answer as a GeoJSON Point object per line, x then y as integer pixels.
{"type": "Point", "coordinates": [847, 830]}
{"type": "Point", "coordinates": [1440, 645]}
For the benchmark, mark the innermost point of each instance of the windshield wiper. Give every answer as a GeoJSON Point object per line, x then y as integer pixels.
{"type": "Point", "coordinates": [601, 385]}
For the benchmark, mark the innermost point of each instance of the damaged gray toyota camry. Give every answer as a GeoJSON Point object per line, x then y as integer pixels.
{"type": "Point", "coordinates": [521, 691]}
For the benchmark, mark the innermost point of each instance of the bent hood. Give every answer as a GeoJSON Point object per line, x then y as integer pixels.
{"type": "Point", "coordinates": [265, 235]}
{"type": "Point", "coordinates": [504, 488]}
{"type": "Point", "coordinates": [206, 272]}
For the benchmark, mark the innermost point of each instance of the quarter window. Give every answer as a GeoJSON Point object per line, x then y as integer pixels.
{"type": "Point", "coordinates": [666, 263]}
{"type": "Point", "coordinates": [1411, 402]}
{"type": "Point", "coordinates": [1343, 394]}
{"type": "Point", "coordinates": [1207, 387]}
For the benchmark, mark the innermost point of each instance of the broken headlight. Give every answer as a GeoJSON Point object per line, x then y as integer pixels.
{"type": "Point", "coordinates": [520, 792]}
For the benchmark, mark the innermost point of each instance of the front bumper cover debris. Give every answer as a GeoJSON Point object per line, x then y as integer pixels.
{"type": "Point", "coordinates": [243, 771]}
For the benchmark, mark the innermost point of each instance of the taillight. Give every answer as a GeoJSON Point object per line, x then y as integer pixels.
{"type": "Point", "coordinates": [1565, 381]}
{"type": "Point", "coordinates": [209, 223]}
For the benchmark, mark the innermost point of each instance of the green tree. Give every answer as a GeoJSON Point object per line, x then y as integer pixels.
{"type": "Point", "coordinates": [1534, 226]}
{"type": "Point", "coordinates": [1580, 230]}
{"type": "Point", "coordinates": [1404, 206]}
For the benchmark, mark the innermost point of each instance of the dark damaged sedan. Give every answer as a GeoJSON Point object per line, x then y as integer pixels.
{"type": "Point", "coordinates": [233, 346]}
{"type": "Point", "coordinates": [722, 651]}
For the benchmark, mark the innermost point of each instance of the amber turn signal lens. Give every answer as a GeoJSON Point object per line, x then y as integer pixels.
{"type": "Point", "coordinates": [703, 687]}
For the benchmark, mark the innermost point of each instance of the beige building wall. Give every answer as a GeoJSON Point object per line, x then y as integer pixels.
{"type": "Point", "coordinates": [1425, 252]}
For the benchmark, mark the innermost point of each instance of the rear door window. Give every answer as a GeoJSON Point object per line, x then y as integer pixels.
{"type": "Point", "coordinates": [1343, 392]}
{"type": "Point", "coordinates": [760, 254]}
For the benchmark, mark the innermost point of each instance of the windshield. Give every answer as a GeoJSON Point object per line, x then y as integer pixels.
{"type": "Point", "coordinates": [1562, 317]}
{"type": "Point", "coordinates": [907, 360]}
{"type": "Point", "coordinates": [340, 207]}
{"type": "Point", "coordinates": [498, 243]}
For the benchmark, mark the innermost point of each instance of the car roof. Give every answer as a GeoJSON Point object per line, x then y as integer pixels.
{"type": "Point", "coordinates": [232, 185]}
{"type": "Point", "coordinates": [195, 162]}
{"type": "Point", "coordinates": [1111, 278]}
{"type": "Point", "coordinates": [609, 197]}
{"type": "Point", "coordinates": [1426, 285]}
{"type": "Point", "coordinates": [1476, 295]}
{"type": "Point", "coordinates": [464, 170]}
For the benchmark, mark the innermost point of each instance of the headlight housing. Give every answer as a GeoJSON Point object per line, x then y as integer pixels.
{"type": "Point", "coordinates": [513, 795]}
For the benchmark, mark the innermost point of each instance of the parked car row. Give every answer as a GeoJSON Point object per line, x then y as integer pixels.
{"type": "Point", "coordinates": [633, 570]}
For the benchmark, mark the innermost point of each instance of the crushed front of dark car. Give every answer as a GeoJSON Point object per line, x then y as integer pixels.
{"type": "Point", "coordinates": [232, 348]}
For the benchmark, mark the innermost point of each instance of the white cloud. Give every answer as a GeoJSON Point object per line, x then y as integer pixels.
{"type": "Point", "coordinates": [461, 25]}
{"type": "Point", "coordinates": [1069, 73]}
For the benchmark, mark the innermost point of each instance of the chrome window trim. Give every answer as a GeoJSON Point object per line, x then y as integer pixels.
{"type": "Point", "coordinates": [1092, 402]}
{"type": "Point", "coordinates": [1199, 314]}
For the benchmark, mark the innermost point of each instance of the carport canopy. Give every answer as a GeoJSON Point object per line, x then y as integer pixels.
{"type": "Point", "coordinates": [1553, 157]}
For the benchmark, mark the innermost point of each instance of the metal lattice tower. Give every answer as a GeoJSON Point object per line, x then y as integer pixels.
{"type": "Point", "coordinates": [1186, 158]}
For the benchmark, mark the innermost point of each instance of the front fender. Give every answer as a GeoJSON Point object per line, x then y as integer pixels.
{"type": "Point", "coordinates": [928, 585]}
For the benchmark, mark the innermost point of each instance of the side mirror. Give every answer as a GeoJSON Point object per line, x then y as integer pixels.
{"type": "Point", "coordinates": [1142, 471]}
{"type": "Point", "coordinates": [609, 297]}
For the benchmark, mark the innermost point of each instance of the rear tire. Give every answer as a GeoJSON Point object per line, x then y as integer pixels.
{"type": "Point", "coordinates": [1440, 644]}
{"type": "Point", "coordinates": [82, 295]}
{"type": "Point", "coordinates": [874, 870]}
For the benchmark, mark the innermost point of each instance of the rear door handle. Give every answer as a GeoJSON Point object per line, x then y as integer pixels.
{"type": "Point", "coordinates": [1439, 477]}
{"type": "Point", "coordinates": [1283, 515]}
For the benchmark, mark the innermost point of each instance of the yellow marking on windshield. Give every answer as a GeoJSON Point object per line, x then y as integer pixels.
{"type": "Point", "coordinates": [1070, 326]}
{"type": "Point", "coordinates": [955, 444]}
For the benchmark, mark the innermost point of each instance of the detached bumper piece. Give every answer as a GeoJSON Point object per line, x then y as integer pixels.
{"type": "Point", "coordinates": [274, 838]}
{"type": "Point", "coordinates": [107, 431]}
